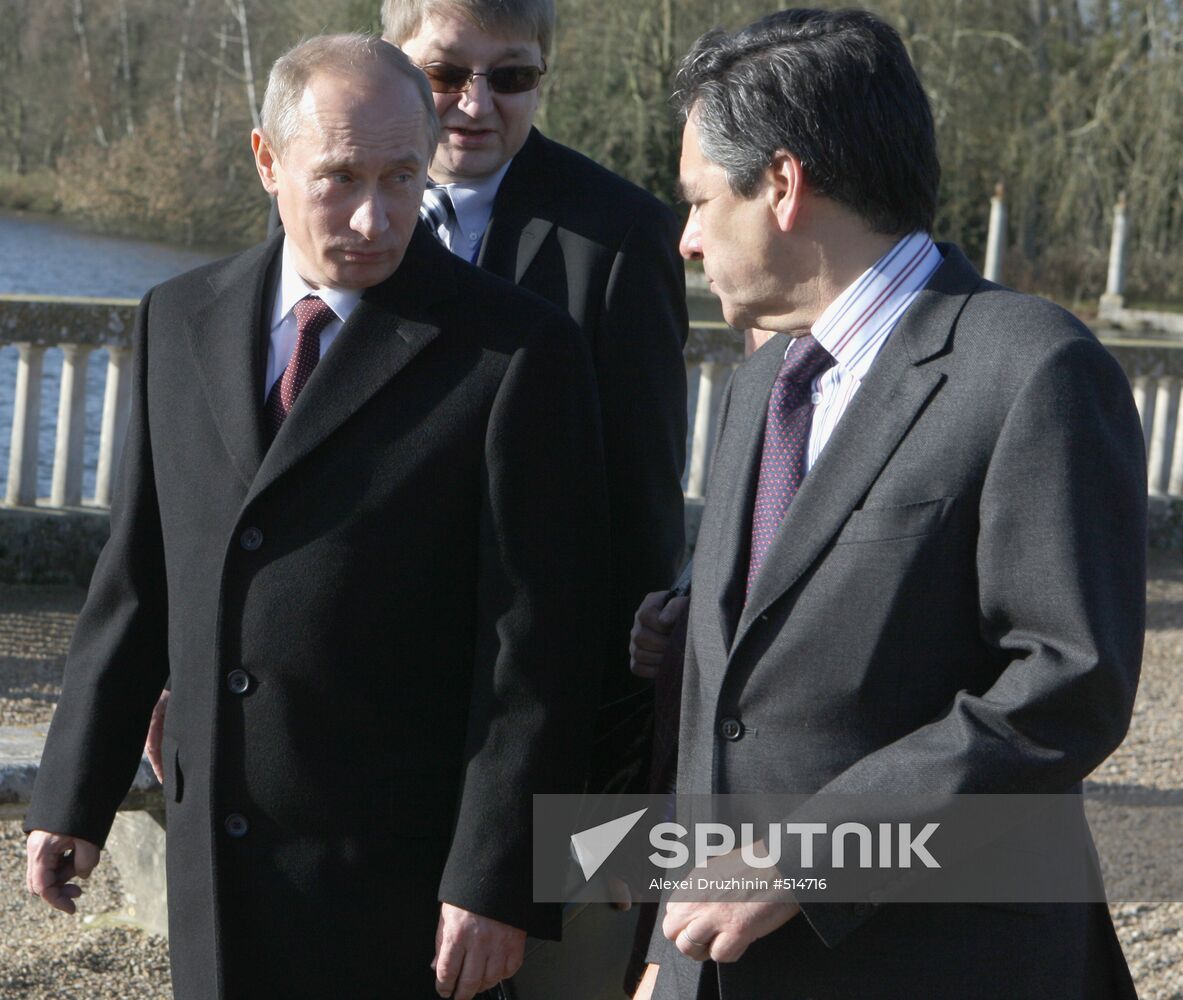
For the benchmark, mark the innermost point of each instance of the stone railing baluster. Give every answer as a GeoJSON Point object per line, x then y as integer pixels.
{"type": "Point", "coordinates": [71, 428]}
{"type": "Point", "coordinates": [712, 381]}
{"type": "Point", "coordinates": [1144, 400]}
{"type": "Point", "coordinates": [1166, 408]}
{"type": "Point", "coordinates": [116, 406]}
{"type": "Point", "coordinates": [26, 420]}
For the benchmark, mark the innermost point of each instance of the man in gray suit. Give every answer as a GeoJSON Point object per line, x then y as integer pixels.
{"type": "Point", "coordinates": [921, 562]}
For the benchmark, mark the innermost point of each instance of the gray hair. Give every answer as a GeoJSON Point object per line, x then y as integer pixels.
{"type": "Point", "coordinates": [350, 54]}
{"type": "Point", "coordinates": [533, 19]}
{"type": "Point", "coordinates": [834, 88]}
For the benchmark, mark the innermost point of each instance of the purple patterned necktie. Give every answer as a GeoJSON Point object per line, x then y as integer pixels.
{"type": "Point", "coordinates": [786, 437]}
{"type": "Point", "coordinates": [312, 316]}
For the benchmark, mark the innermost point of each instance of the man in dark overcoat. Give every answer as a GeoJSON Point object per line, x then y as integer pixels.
{"type": "Point", "coordinates": [549, 219]}
{"type": "Point", "coordinates": [921, 566]}
{"type": "Point", "coordinates": [360, 522]}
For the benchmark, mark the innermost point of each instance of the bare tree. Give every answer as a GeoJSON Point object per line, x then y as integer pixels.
{"type": "Point", "coordinates": [187, 9]}
{"type": "Point", "coordinates": [238, 10]}
{"type": "Point", "coordinates": [87, 71]}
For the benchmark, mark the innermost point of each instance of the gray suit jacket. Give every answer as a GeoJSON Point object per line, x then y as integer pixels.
{"type": "Point", "coordinates": [953, 604]}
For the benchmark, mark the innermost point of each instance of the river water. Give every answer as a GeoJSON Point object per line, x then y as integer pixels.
{"type": "Point", "coordinates": [50, 257]}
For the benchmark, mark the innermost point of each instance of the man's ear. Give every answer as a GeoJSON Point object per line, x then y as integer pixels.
{"type": "Point", "coordinates": [786, 188]}
{"type": "Point", "coordinates": [265, 161]}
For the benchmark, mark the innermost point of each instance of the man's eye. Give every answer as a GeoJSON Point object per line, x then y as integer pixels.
{"type": "Point", "coordinates": [340, 178]}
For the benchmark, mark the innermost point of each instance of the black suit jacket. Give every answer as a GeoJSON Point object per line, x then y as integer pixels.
{"type": "Point", "coordinates": [953, 604]}
{"type": "Point", "coordinates": [367, 623]}
{"type": "Point", "coordinates": [606, 252]}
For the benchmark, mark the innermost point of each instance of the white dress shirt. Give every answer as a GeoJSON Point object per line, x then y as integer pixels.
{"type": "Point", "coordinates": [473, 202]}
{"type": "Point", "coordinates": [291, 289]}
{"type": "Point", "coordinates": [856, 325]}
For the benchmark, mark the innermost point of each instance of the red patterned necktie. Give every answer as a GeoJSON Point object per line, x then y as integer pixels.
{"type": "Point", "coordinates": [786, 437]}
{"type": "Point", "coordinates": [312, 316]}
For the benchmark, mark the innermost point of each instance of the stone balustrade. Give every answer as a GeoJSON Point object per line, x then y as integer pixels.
{"type": "Point", "coordinates": [76, 327]}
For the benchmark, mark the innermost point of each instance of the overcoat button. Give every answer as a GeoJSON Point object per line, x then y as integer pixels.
{"type": "Point", "coordinates": [238, 681]}
{"type": "Point", "coordinates": [732, 729]}
{"type": "Point", "coordinates": [236, 825]}
{"type": "Point", "coordinates": [251, 539]}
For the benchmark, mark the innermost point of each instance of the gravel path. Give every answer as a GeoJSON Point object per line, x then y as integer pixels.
{"type": "Point", "coordinates": [47, 956]}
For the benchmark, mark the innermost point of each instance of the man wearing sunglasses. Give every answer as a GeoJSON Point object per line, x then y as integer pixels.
{"type": "Point", "coordinates": [545, 217]}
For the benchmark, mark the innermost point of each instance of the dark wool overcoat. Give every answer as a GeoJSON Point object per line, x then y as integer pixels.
{"type": "Point", "coordinates": [606, 252]}
{"type": "Point", "coordinates": [382, 628]}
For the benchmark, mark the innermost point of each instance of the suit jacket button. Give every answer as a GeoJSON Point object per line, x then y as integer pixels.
{"type": "Point", "coordinates": [236, 825]}
{"type": "Point", "coordinates": [732, 729]}
{"type": "Point", "coordinates": [238, 682]}
{"type": "Point", "coordinates": [251, 539]}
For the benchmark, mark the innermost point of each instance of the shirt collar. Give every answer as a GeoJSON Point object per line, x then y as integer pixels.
{"type": "Point", "coordinates": [473, 202]}
{"type": "Point", "coordinates": [858, 322]}
{"type": "Point", "coordinates": [292, 288]}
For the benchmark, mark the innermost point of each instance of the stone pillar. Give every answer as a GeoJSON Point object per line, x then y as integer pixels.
{"type": "Point", "coordinates": [26, 420]}
{"type": "Point", "coordinates": [1166, 408]}
{"type": "Point", "coordinates": [996, 240]}
{"type": "Point", "coordinates": [1175, 480]}
{"type": "Point", "coordinates": [1144, 386]}
{"type": "Point", "coordinates": [71, 429]}
{"type": "Point", "coordinates": [713, 379]}
{"type": "Point", "coordinates": [1115, 286]}
{"type": "Point", "coordinates": [116, 406]}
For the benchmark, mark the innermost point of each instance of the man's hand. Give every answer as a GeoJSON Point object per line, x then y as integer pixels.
{"type": "Point", "coordinates": [651, 631]}
{"type": "Point", "coordinates": [722, 931]}
{"type": "Point", "coordinates": [52, 860]}
{"type": "Point", "coordinates": [474, 953]}
{"type": "Point", "coordinates": [155, 739]}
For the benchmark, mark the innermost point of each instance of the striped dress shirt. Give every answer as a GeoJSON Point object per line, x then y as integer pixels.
{"type": "Point", "coordinates": [856, 325]}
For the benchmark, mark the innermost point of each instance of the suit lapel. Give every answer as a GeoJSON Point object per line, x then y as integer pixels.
{"type": "Point", "coordinates": [383, 334]}
{"type": "Point", "coordinates": [228, 346]}
{"type": "Point", "coordinates": [896, 389]}
{"type": "Point", "coordinates": [519, 224]}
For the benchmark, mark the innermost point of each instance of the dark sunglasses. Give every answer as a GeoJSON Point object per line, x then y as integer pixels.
{"type": "Point", "coordinates": [448, 79]}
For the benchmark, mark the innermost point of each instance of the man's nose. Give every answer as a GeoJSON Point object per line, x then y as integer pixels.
{"type": "Point", "coordinates": [477, 100]}
{"type": "Point", "coordinates": [690, 245]}
{"type": "Point", "coordinates": [369, 218]}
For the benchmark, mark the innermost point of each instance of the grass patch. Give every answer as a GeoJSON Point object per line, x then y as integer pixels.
{"type": "Point", "coordinates": [1150, 306]}
{"type": "Point", "coordinates": [29, 192]}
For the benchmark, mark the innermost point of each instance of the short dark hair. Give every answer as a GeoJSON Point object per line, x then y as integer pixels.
{"type": "Point", "coordinates": [834, 88]}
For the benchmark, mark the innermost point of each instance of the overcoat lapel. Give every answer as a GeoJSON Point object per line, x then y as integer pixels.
{"type": "Point", "coordinates": [229, 352]}
{"type": "Point", "coordinates": [519, 223]}
{"type": "Point", "coordinates": [374, 345]}
{"type": "Point", "coordinates": [896, 389]}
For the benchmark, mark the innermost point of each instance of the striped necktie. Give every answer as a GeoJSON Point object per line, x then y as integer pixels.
{"type": "Point", "coordinates": [437, 211]}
